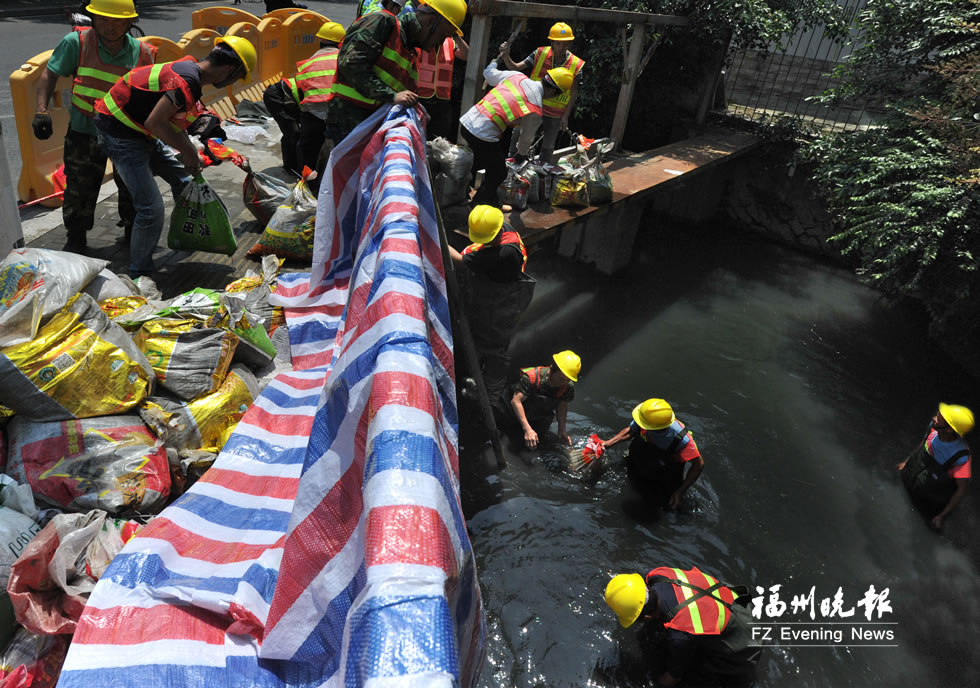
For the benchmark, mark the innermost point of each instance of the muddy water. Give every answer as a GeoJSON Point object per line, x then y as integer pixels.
{"type": "Point", "coordinates": [803, 390]}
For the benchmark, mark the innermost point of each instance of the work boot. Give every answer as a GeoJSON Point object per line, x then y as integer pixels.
{"type": "Point", "coordinates": [76, 243]}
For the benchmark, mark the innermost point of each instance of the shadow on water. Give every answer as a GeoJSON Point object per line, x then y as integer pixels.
{"type": "Point", "coordinates": [803, 389]}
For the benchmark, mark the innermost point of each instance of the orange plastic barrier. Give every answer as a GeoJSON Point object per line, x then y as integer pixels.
{"type": "Point", "coordinates": [286, 13]}
{"type": "Point", "coordinates": [220, 19]}
{"type": "Point", "coordinates": [167, 50]}
{"type": "Point", "coordinates": [300, 38]}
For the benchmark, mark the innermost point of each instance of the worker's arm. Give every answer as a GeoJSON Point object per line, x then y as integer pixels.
{"type": "Point", "coordinates": [623, 434]}
{"type": "Point", "coordinates": [462, 50]}
{"type": "Point", "coordinates": [456, 256]}
{"type": "Point", "coordinates": [696, 466]}
{"type": "Point", "coordinates": [562, 414]}
{"type": "Point", "coordinates": [158, 124]}
{"type": "Point", "coordinates": [494, 76]}
{"type": "Point", "coordinates": [505, 56]}
{"type": "Point", "coordinates": [45, 89]}
{"type": "Point", "coordinates": [517, 403]}
{"type": "Point", "coordinates": [954, 501]}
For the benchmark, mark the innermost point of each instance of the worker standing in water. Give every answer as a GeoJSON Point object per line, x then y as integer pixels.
{"type": "Point", "coordinates": [496, 291]}
{"type": "Point", "coordinates": [542, 395]}
{"type": "Point", "coordinates": [938, 472]}
{"type": "Point", "coordinates": [660, 450]}
{"type": "Point", "coordinates": [708, 639]}
{"type": "Point", "coordinates": [556, 109]}
{"type": "Point", "coordinates": [95, 57]}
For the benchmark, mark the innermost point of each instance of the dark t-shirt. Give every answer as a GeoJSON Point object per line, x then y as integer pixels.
{"type": "Point", "coordinates": [502, 263]}
{"type": "Point", "coordinates": [141, 103]}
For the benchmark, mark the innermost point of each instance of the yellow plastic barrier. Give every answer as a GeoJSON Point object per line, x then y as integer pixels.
{"type": "Point", "coordinates": [300, 38]}
{"type": "Point", "coordinates": [40, 158]}
{"type": "Point", "coordinates": [220, 19]}
{"type": "Point", "coordinates": [167, 50]}
{"type": "Point", "coordinates": [287, 12]}
{"type": "Point", "coordinates": [273, 58]}
{"type": "Point", "coordinates": [254, 89]}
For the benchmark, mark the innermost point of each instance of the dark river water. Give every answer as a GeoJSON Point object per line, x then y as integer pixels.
{"type": "Point", "coordinates": [803, 389]}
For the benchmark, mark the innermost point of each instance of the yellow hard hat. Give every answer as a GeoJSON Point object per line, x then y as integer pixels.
{"type": "Point", "coordinates": [485, 222]}
{"type": "Point", "coordinates": [626, 594]}
{"type": "Point", "coordinates": [117, 9]}
{"type": "Point", "coordinates": [562, 78]}
{"type": "Point", "coordinates": [960, 418]}
{"type": "Point", "coordinates": [453, 11]}
{"type": "Point", "coordinates": [568, 363]}
{"type": "Point", "coordinates": [332, 31]}
{"type": "Point", "coordinates": [561, 32]}
{"type": "Point", "coordinates": [653, 414]}
{"type": "Point", "coordinates": [243, 48]}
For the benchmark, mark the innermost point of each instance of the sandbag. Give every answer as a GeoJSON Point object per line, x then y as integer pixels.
{"type": "Point", "coordinates": [36, 283]}
{"type": "Point", "coordinates": [570, 190]}
{"type": "Point", "coordinates": [600, 185]}
{"type": "Point", "coordinates": [530, 173]}
{"type": "Point", "coordinates": [50, 582]}
{"type": "Point", "coordinates": [207, 422]}
{"type": "Point", "coordinates": [451, 170]}
{"type": "Point", "coordinates": [32, 660]}
{"type": "Point", "coordinates": [513, 191]}
{"type": "Point", "coordinates": [80, 365]}
{"type": "Point", "coordinates": [289, 233]}
{"type": "Point", "coordinates": [200, 221]}
{"type": "Point", "coordinates": [109, 285]}
{"type": "Point", "coordinates": [189, 358]}
{"type": "Point", "coordinates": [113, 463]}
{"type": "Point", "coordinates": [262, 193]}
{"type": "Point", "coordinates": [16, 532]}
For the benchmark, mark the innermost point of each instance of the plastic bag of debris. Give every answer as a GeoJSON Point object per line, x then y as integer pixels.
{"type": "Point", "coordinates": [36, 283]}
{"type": "Point", "coordinates": [200, 221]}
{"type": "Point", "coordinates": [289, 233]}
{"type": "Point", "coordinates": [32, 660]}
{"type": "Point", "coordinates": [571, 190]}
{"type": "Point", "coordinates": [189, 358]}
{"type": "Point", "coordinates": [113, 463]}
{"type": "Point", "coordinates": [513, 191]}
{"type": "Point", "coordinates": [262, 193]}
{"type": "Point", "coordinates": [207, 422]}
{"type": "Point", "coordinates": [79, 365]}
{"type": "Point", "coordinates": [451, 171]}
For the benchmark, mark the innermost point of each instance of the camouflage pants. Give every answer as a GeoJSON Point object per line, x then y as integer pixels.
{"type": "Point", "coordinates": [84, 170]}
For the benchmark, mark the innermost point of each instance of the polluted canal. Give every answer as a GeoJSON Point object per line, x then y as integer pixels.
{"type": "Point", "coordinates": [803, 389]}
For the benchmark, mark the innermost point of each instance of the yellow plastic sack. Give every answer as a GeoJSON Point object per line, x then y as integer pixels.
{"type": "Point", "coordinates": [207, 422]}
{"type": "Point", "coordinates": [189, 358]}
{"type": "Point", "coordinates": [570, 191]}
{"type": "Point", "coordinates": [80, 365]}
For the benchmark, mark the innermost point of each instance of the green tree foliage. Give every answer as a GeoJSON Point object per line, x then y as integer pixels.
{"type": "Point", "coordinates": [905, 193]}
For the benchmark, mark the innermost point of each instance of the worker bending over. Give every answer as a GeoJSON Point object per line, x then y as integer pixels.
{"type": "Point", "coordinates": [708, 638]}
{"type": "Point", "coordinates": [496, 292]}
{"type": "Point", "coordinates": [153, 106]}
{"type": "Point", "coordinates": [660, 450]}
{"type": "Point", "coordinates": [95, 57]}
{"type": "Point", "coordinates": [556, 110]}
{"type": "Point", "coordinates": [938, 472]}
{"type": "Point", "coordinates": [543, 393]}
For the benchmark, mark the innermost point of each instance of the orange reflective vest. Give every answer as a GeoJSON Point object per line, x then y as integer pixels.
{"type": "Point", "coordinates": [293, 89]}
{"type": "Point", "coordinates": [506, 103]}
{"type": "Point", "coordinates": [154, 78]}
{"type": "Point", "coordinates": [704, 606]}
{"type": "Point", "coordinates": [555, 107]}
{"type": "Point", "coordinates": [93, 77]}
{"type": "Point", "coordinates": [317, 75]}
{"type": "Point", "coordinates": [436, 70]}
{"type": "Point", "coordinates": [506, 237]}
{"type": "Point", "coordinates": [395, 67]}
{"type": "Point", "coordinates": [536, 375]}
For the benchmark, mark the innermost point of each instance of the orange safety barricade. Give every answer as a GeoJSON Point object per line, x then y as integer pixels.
{"type": "Point", "coordinates": [287, 12]}
{"type": "Point", "coordinates": [167, 50]}
{"type": "Point", "coordinates": [220, 19]}
{"type": "Point", "coordinates": [300, 38]}
{"type": "Point", "coordinates": [254, 88]}
{"type": "Point", "coordinates": [41, 159]}
{"type": "Point", "coordinates": [272, 49]}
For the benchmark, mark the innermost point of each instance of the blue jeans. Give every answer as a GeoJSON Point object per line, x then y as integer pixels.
{"type": "Point", "coordinates": [136, 160]}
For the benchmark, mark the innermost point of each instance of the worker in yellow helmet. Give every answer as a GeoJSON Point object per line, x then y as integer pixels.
{"type": "Point", "coordinates": [496, 291]}
{"type": "Point", "coordinates": [662, 448]}
{"type": "Point", "coordinates": [701, 629]}
{"type": "Point", "coordinates": [938, 472]}
{"type": "Point", "coordinates": [542, 394]}
{"type": "Point", "coordinates": [148, 112]}
{"type": "Point", "coordinates": [556, 109]}
{"type": "Point", "coordinates": [94, 57]}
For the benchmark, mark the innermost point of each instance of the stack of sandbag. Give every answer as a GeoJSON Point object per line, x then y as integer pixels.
{"type": "Point", "coordinates": [450, 167]}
